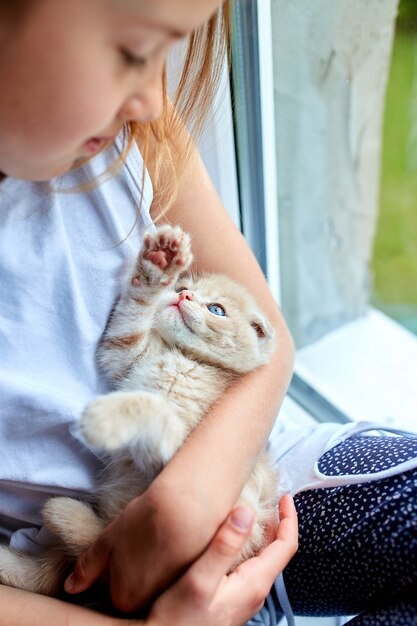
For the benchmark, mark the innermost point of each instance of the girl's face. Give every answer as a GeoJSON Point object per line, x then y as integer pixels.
{"type": "Point", "coordinates": [73, 71]}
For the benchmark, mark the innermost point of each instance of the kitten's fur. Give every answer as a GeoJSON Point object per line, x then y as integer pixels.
{"type": "Point", "coordinates": [170, 358]}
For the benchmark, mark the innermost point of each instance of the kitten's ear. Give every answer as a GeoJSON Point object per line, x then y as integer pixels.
{"type": "Point", "coordinates": [262, 328]}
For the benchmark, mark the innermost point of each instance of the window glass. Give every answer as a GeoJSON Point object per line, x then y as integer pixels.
{"type": "Point", "coordinates": [394, 260]}
{"type": "Point", "coordinates": [332, 61]}
{"type": "Point", "coordinates": [345, 119]}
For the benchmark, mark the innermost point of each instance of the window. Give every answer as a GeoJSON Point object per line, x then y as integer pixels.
{"type": "Point", "coordinates": [309, 98]}
{"type": "Point", "coordinates": [309, 82]}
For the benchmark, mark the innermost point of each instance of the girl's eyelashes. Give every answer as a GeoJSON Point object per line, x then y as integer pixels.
{"type": "Point", "coordinates": [131, 60]}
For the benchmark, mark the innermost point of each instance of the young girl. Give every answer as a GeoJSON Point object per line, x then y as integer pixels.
{"type": "Point", "coordinates": [73, 75]}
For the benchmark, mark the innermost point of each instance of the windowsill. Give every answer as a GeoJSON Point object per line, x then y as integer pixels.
{"type": "Point", "coordinates": [367, 370]}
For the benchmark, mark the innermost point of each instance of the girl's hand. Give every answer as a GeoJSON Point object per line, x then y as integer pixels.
{"type": "Point", "coordinates": [145, 549]}
{"type": "Point", "coordinates": [205, 595]}
{"type": "Point", "coordinates": [241, 592]}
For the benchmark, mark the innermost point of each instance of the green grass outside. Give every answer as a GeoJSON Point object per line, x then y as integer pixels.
{"type": "Point", "coordinates": [394, 262]}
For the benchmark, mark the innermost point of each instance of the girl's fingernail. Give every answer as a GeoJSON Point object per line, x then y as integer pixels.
{"type": "Point", "coordinates": [69, 583]}
{"type": "Point", "coordinates": [242, 518]}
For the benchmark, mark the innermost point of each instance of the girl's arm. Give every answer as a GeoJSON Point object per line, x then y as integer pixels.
{"type": "Point", "coordinates": [187, 502]}
{"type": "Point", "coordinates": [203, 595]}
{"type": "Point", "coordinates": [21, 608]}
{"type": "Point", "coordinates": [229, 438]}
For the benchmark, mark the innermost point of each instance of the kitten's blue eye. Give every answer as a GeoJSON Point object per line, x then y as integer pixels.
{"type": "Point", "coordinates": [216, 309]}
{"type": "Point", "coordinates": [179, 289]}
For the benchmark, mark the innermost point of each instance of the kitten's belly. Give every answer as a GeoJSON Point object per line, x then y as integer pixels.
{"type": "Point", "coordinates": [190, 387]}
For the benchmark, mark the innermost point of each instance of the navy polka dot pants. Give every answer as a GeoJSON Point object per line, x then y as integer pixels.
{"type": "Point", "coordinates": [358, 543]}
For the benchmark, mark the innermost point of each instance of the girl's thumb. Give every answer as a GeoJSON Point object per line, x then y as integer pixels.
{"type": "Point", "coordinates": [87, 569]}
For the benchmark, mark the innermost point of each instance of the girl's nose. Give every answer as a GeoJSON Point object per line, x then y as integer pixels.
{"type": "Point", "coordinates": [185, 295]}
{"type": "Point", "coordinates": [144, 108]}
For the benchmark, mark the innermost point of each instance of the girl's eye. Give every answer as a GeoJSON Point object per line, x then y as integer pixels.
{"type": "Point", "coordinates": [131, 60]}
{"type": "Point", "coordinates": [216, 309]}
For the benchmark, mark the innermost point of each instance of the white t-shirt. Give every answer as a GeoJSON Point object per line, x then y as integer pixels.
{"type": "Point", "coordinates": [62, 256]}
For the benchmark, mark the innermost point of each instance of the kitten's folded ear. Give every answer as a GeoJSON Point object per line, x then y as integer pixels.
{"type": "Point", "coordinates": [262, 327]}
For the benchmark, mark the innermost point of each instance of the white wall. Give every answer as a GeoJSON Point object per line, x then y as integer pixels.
{"type": "Point", "coordinates": [331, 62]}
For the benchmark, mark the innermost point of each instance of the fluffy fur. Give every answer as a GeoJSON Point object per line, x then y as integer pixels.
{"type": "Point", "coordinates": [170, 349]}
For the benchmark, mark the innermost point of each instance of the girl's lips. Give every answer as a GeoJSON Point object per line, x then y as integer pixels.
{"type": "Point", "coordinates": [96, 143]}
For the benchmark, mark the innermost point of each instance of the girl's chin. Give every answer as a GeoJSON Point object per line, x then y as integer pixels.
{"type": "Point", "coordinates": [38, 172]}
{"type": "Point", "coordinates": [62, 168]}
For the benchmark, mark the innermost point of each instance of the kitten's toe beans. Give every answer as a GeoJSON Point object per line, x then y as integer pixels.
{"type": "Point", "coordinates": [165, 254]}
{"type": "Point", "coordinates": [183, 256]}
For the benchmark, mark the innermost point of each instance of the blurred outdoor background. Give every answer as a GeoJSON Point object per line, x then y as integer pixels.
{"type": "Point", "coordinates": [395, 251]}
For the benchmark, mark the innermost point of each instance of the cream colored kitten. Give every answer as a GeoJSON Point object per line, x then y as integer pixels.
{"type": "Point", "coordinates": [170, 349]}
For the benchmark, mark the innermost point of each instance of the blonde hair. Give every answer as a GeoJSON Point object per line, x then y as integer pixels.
{"type": "Point", "coordinates": [182, 121]}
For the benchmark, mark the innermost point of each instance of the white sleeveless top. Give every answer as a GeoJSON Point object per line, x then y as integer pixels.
{"type": "Point", "coordinates": [61, 259]}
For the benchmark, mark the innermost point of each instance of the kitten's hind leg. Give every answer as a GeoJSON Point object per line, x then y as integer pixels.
{"type": "Point", "coordinates": [140, 423]}
{"type": "Point", "coordinates": [39, 574]}
{"type": "Point", "coordinates": [259, 494]}
{"type": "Point", "coordinates": [75, 523]}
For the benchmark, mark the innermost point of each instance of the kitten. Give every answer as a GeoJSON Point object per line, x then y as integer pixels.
{"type": "Point", "coordinates": [170, 349]}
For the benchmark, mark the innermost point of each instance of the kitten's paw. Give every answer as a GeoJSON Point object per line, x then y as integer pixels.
{"type": "Point", "coordinates": [141, 422]}
{"type": "Point", "coordinates": [74, 522]}
{"type": "Point", "coordinates": [164, 255]}
{"type": "Point", "coordinates": [103, 423]}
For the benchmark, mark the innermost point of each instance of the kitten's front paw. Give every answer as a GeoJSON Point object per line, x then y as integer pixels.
{"type": "Point", "coordinates": [139, 422]}
{"type": "Point", "coordinates": [164, 255]}
{"type": "Point", "coordinates": [102, 424]}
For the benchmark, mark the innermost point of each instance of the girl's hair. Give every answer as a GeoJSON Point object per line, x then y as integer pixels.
{"type": "Point", "coordinates": [182, 120]}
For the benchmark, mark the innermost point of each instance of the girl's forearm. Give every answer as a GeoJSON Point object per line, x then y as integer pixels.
{"type": "Point", "coordinates": [223, 448]}
{"type": "Point", "coordinates": [206, 476]}
{"type": "Point", "coordinates": [21, 608]}
{"type": "Point", "coordinates": [195, 492]}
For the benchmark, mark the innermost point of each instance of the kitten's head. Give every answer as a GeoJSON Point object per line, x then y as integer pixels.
{"type": "Point", "coordinates": [216, 321]}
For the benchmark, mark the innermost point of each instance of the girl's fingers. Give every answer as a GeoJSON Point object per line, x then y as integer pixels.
{"type": "Point", "coordinates": [205, 575]}
{"type": "Point", "coordinates": [239, 596]}
{"type": "Point", "coordinates": [253, 579]}
{"type": "Point", "coordinates": [272, 560]}
{"type": "Point", "coordinates": [88, 568]}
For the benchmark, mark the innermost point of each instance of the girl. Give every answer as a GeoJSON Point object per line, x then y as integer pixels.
{"type": "Point", "coordinates": [74, 74]}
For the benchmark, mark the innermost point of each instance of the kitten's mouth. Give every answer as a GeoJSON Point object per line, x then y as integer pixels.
{"type": "Point", "coordinates": [183, 317]}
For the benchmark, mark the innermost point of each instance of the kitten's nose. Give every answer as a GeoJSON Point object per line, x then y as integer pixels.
{"type": "Point", "coordinates": [185, 295]}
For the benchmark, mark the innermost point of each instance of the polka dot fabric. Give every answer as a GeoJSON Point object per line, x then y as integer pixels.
{"type": "Point", "coordinates": [358, 543]}
{"type": "Point", "coordinates": [367, 454]}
